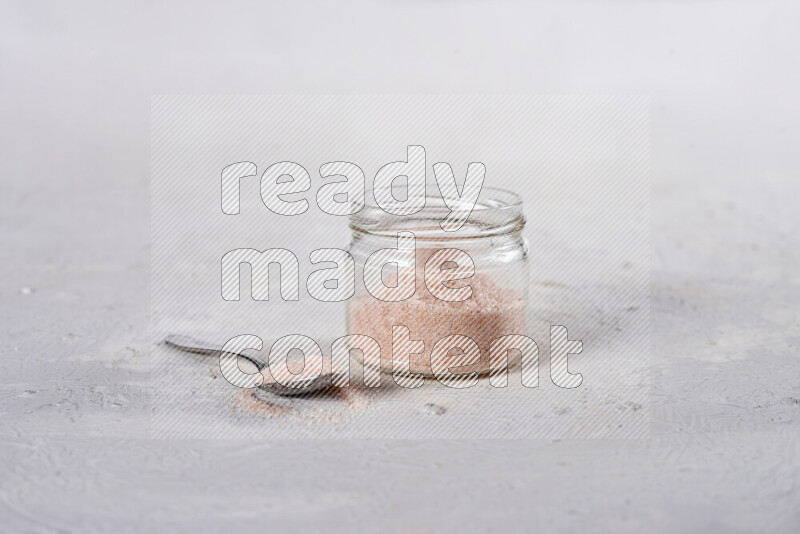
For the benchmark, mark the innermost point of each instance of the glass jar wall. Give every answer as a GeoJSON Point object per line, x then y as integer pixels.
{"type": "Point", "coordinates": [496, 289]}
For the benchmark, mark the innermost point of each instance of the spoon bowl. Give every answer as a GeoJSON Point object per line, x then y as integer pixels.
{"type": "Point", "coordinates": [292, 388]}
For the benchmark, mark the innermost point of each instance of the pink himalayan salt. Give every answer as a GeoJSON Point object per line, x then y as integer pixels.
{"type": "Point", "coordinates": [334, 406]}
{"type": "Point", "coordinates": [492, 311]}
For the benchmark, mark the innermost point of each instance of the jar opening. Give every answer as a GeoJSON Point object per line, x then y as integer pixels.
{"type": "Point", "coordinates": [497, 211]}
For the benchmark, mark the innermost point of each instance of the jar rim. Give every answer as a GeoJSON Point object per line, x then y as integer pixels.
{"type": "Point", "coordinates": [496, 211]}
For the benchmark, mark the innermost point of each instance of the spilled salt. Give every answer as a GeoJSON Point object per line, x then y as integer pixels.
{"type": "Point", "coordinates": [335, 405]}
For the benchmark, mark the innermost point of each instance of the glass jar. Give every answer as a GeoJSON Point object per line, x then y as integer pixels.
{"type": "Point", "coordinates": [491, 237]}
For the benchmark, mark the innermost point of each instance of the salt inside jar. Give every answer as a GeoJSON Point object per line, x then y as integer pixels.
{"type": "Point", "coordinates": [491, 237]}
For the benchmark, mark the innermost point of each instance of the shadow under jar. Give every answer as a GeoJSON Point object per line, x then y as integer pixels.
{"type": "Point", "coordinates": [491, 236]}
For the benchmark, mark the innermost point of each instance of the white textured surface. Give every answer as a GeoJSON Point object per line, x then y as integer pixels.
{"type": "Point", "coordinates": [725, 448]}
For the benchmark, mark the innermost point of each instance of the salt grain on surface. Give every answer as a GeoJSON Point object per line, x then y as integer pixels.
{"type": "Point", "coordinates": [335, 405]}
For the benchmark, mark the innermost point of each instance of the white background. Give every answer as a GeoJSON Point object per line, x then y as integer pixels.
{"type": "Point", "coordinates": [76, 80]}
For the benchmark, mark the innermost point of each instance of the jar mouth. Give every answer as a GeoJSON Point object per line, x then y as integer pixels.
{"type": "Point", "coordinates": [497, 211]}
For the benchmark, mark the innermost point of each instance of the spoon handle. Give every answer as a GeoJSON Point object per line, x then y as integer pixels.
{"type": "Point", "coordinates": [190, 344]}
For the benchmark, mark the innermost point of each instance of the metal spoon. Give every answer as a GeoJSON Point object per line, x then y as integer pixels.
{"type": "Point", "coordinates": [299, 386]}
